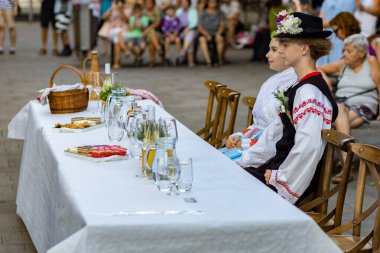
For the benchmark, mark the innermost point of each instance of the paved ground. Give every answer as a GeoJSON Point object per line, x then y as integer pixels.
{"type": "Point", "coordinates": [181, 90]}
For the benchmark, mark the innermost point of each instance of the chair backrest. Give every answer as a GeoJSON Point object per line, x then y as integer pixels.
{"type": "Point", "coordinates": [250, 102]}
{"type": "Point", "coordinates": [213, 87]}
{"type": "Point", "coordinates": [369, 157]}
{"type": "Point", "coordinates": [228, 101]}
{"type": "Point", "coordinates": [337, 143]}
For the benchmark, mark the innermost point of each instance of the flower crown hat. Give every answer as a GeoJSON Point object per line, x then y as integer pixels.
{"type": "Point", "coordinates": [298, 25]}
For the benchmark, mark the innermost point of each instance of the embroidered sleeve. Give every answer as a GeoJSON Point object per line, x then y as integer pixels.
{"type": "Point", "coordinates": [264, 147]}
{"type": "Point", "coordinates": [311, 113]}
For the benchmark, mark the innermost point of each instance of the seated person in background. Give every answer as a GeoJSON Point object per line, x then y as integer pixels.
{"type": "Point", "coordinates": [188, 17]}
{"type": "Point", "coordinates": [258, 149]}
{"type": "Point", "coordinates": [163, 4]}
{"type": "Point", "coordinates": [115, 28]}
{"type": "Point", "coordinates": [137, 23]}
{"type": "Point", "coordinates": [356, 95]}
{"type": "Point", "coordinates": [232, 11]}
{"type": "Point", "coordinates": [211, 29]}
{"type": "Point", "coordinates": [307, 108]}
{"type": "Point", "coordinates": [170, 28]}
{"type": "Point", "coordinates": [152, 32]}
{"type": "Point", "coordinates": [345, 24]}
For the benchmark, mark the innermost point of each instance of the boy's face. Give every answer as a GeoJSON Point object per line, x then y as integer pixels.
{"type": "Point", "coordinates": [292, 52]}
{"type": "Point", "coordinates": [170, 12]}
{"type": "Point", "coordinates": [138, 12]}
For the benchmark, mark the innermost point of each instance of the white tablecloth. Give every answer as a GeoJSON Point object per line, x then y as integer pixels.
{"type": "Point", "coordinates": [72, 205]}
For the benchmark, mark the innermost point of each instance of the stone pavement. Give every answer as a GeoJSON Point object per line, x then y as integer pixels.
{"type": "Point", "coordinates": [180, 89]}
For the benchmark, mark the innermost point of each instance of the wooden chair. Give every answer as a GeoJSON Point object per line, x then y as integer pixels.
{"type": "Point", "coordinates": [250, 102]}
{"type": "Point", "coordinates": [369, 158]}
{"type": "Point", "coordinates": [317, 207]}
{"type": "Point", "coordinates": [206, 131]}
{"type": "Point", "coordinates": [228, 101]}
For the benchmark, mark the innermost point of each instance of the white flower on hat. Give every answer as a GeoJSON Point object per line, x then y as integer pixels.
{"type": "Point", "coordinates": [288, 24]}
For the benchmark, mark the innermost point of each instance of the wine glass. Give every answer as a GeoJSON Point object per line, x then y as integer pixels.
{"type": "Point", "coordinates": [96, 80]}
{"type": "Point", "coordinates": [168, 128]}
{"type": "Point", "coordinates": [173, 170]}
{"type": "Point", "coordinates": [139, 126]}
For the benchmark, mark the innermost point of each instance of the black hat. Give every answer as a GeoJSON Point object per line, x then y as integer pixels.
{"type": "Point", "coordinates": [302, 25]}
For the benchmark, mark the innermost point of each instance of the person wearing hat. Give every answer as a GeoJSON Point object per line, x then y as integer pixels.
{"type": "Point", "coordinates": [307, 107]}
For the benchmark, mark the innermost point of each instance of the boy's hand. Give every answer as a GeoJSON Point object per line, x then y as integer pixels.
{"type": "Point", "coordinates": [232, 142]}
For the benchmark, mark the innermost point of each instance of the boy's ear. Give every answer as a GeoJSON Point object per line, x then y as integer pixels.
{"type": "Point", "coordinates": [305, 49]}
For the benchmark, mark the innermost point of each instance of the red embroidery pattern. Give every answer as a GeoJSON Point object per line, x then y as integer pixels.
{"type": "Point", "coordinates": [253, 142]}
{"type": "Point", "coordinates": [286, 187]}
{"type": "Point", "coordinates": [312, 101]}
{"type": "Point", "coordinates": [313, 111]}
{"type": "Point", "coordinates": [246, 131]}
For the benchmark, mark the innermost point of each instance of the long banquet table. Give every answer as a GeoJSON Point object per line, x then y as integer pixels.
{"type": "Point", "coordinates": [73, 205]}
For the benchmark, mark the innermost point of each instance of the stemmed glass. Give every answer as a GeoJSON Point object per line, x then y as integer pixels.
{"type": "Point", "coordinates": [96, 80]}
{"type": "Point", "coordinates": [173, 172]}
{"type": "Point", "coordinates": [168, 128]}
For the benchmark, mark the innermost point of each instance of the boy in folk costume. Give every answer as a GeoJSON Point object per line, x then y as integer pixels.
{"type": "Point", "coordinates": [307, 108]}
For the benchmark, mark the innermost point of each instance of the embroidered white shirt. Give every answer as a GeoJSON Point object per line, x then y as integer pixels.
{"type": "Point", "coordinates": [312, 112]}
{"type": "Point", "coordinates": [265, 117]}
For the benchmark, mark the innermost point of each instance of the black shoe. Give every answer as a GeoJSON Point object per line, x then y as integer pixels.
{"type": "Point", "coordinates": [65, 52]}
{"type": "Point", "coordinates": [12, 51]}
{"type": "Point", "coordinates": [177, 62]}
{"type": "Point", "coordinates": [1, 51]}
{"type": "Point", "coordinates": [168, 62]}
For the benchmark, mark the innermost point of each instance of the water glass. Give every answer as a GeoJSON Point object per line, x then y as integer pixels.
{"type": "Point", "coordinates": [162, 177]}
{"type": "Point", "coordinates": [96, 81]}
{"type": "Point", "coordinates": [115, 132]}
{"type": "Point", "coordinates": [185, 180]}
{"type": "Point", "coordinates": [135, 148]}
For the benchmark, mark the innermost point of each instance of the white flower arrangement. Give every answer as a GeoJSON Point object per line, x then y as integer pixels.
{"type": "Point", "coordinates": [288, 24]}
{"type": "Point", "coordinates": [282, 96]}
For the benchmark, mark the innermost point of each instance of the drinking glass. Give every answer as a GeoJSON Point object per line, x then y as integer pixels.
{"type": "Point", "coordinates": [162, 178]}
{"type": "Point", "coordinates": [168, 128]}
{"type": "Point", "coordinates": [114, 78]}
{"type": "Point", "coordinates": [167, 174]}
{"type": "Point", "coordinates": [139, 135]}
{"type": "Point", "coordinates": [185, 180]}
{"type": "Point", "coordinates": [96, 81]}
{"type": "Point", "coordinates": [127, 114]}
{"type": "Point", "coordinates": [115, 133]}
{"type": "Point", "coordinates": [173, 172]}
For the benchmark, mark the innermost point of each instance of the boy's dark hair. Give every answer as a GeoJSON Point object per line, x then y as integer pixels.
{"type": "Point", "coordinates": [137, 7]}
{"type": "Point", "coordinates": [170, 7]}
{"type": "Point", "coordinates": [318, 46]}
{"type": "Point", "coordinates": [123, 1]}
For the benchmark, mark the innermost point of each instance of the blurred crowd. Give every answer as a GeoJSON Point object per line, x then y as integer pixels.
{"type": "Point", "coordinates": [172, 31]}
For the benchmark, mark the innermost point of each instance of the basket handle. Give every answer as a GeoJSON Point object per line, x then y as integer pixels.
{"type": "Point", "coordinates": [66, 67]}
{"type": "Point", "coordinates": [84, 64]}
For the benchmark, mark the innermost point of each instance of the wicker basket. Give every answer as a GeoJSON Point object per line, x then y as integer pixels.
{"type": "Point", "coordinates": [68, 101]}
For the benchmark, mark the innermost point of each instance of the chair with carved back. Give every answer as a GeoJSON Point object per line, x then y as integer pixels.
{"type": "Point", "coordinates": [317, 206]}
{"type": "Point", "coordinates": [228, 101]}
{"type": "Point", "coordinates": [369, 157]}
{"type": "Point", "coordinates": [250, 102]}
{"type": "Point", "coordinates": [206, 131]}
